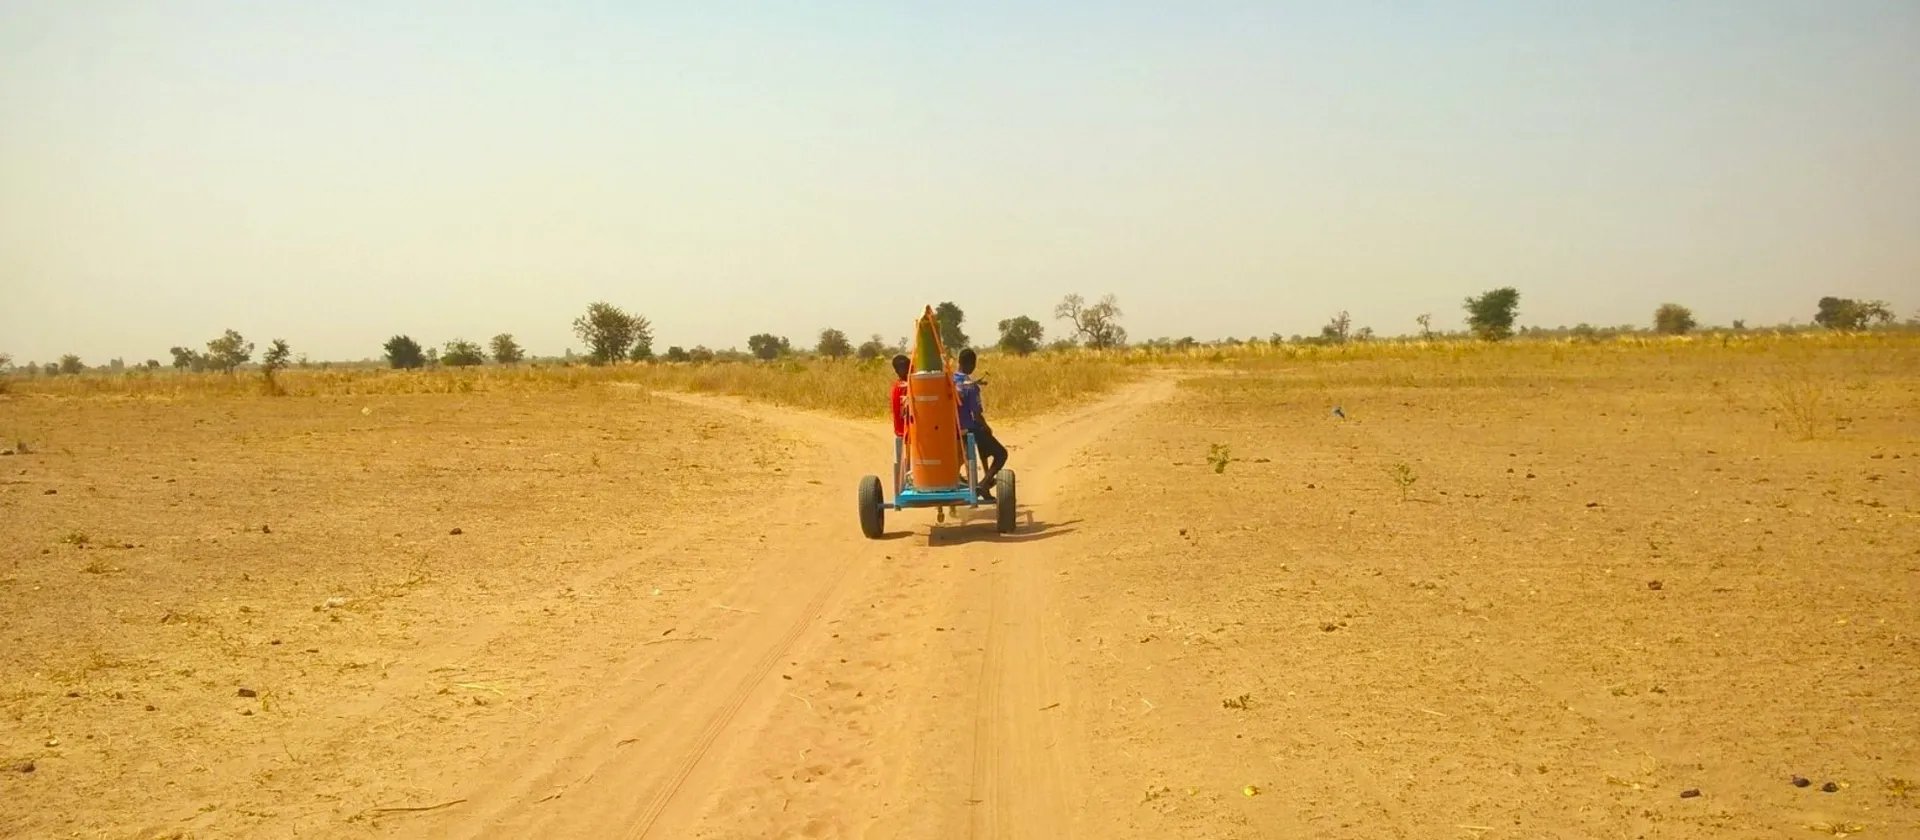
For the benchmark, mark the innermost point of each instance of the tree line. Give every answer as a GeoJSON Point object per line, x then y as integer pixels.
{"type": "Point", "coordinates": [612, 335]}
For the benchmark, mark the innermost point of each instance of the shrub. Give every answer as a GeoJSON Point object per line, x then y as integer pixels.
{"type": "Point", "coordinates": [1673, 319]}
{"type": "Point", "coordinates": [1020, 335]}
{"type": "Point", "coordinates": [506, 351]}
{"type": "Point", "coordinates": [833, 344]}
{"type": "Point", "coordinates": [1491, 314]}
{"type": "Point", "coordinates": [229, 351]}
{"type": "Point", "coordinates": [463, 353]}
{"type": "Point", "coordinates": [610, 332]}
{"type": "Point", "coordinates": [404, 353]}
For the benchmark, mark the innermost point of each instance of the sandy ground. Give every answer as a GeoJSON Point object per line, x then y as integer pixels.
{"type": "Point", "coordinates": [658, 618]}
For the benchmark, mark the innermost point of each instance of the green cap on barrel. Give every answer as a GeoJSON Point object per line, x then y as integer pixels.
{"type": "Point", "coordinates": [926, 346]}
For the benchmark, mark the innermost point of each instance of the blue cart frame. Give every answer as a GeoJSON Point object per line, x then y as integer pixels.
{"type": "Point", "coordinates": [906, 496]}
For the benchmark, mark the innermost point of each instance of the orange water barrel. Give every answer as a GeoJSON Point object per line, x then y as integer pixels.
{"type": "Point", "coordinates": [935, 440]}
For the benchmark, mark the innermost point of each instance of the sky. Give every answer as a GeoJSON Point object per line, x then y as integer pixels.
{"type": "Point", "coordinates": [337, 173]}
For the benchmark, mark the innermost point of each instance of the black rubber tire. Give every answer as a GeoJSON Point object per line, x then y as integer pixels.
{"type": "Point", "coordinates": [1005, 505]}
{"type": "Point", "coordinates": [872, 515]}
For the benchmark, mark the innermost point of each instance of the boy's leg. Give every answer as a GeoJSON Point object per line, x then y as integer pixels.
{"type": "Point", "coordinates": [991, 451]}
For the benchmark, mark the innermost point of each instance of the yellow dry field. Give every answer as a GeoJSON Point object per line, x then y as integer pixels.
{"type": "Point", "coordinates": [1541, 593]}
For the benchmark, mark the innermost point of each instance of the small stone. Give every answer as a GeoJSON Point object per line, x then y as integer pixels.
{"type": "Point", "coordinates": [23, 767]}
{"type": "Point", "coordinates": [1830, 788]}
{"type": "Point", "coordinates": [1656, 585]}
{"type": "Point", "coordinates": [5, 452]}
{"type": "Point", "coordinates": [73, 694]}
{"type": "Point", "coordinates": [248, 692]}
{"type": "Point", "coordinates": [454, 533]}
{"type": "Point", "coordinates": [1329, 627]}
{"type": "Point", "coordinates": [50, 492]}
{"type": "Point", "coordinates": [265, 530]}
{"type": "Point", "coordinates": [1689, 793]}
{"type": "Point", "coordinates": [1801, 781]}
{"type": "Point", "coordinates": [274, 642]}
{"type": "Point", "coordinates": [150, 708]}
{"type": "Point", "coordinates": [247, 713]}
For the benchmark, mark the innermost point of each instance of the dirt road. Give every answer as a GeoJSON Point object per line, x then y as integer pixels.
{"type": "Point", "coordinates": [840, 687]}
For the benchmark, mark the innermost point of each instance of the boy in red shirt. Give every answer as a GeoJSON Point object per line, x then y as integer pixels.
{"type": "Point", "coordinates": [900, 396]}
{"type": "Point", "coordinates": [900, 364]}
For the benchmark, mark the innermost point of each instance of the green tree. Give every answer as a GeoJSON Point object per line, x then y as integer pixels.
{"type": "Point", "coordinates": [1097, 325]}
{"type": "Point", "coordinates": [404, 353]}
{"type": "Point", "coordinates": [1673, 319]}
{"type": "Point", "coordinates": [1491, 315]}
{"type": "Point", "coordinates": [768, 346]}
{"type": "Point", "coordinates": [463, 353]}
{"type": "Point", "coordinates": [1849, 314]}
{"type": "Point", "coordinates": [187, 359]}
{"type": "Point", "coordinates": [699, 354]}
{"type": "Point", "coordinates": [272, 362]}
{"type": "Point", "coordinates": [834, 344]}
{"type": "Point", "coordinates": [229, 351]}
{"type": "Point", "coordinates": [678, 354]}
{"type": "Point", "coordinates": [506, 351]}
{"type": "Point", "coordinates": [610, 332]}
{"type": "Point", "coordinates": [873, 348]}
{"type": "Point", "coordinates": [949, 317]}
{"type": "Point", "coordinates": [1020, 335]}
{"type": "Point", "coordinates": [642, 349]}
{"type": "Point", "coordinates": [70, 365]}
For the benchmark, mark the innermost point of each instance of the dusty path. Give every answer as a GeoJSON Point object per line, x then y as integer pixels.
{"type": "Point", "coordinates": [840, 687]}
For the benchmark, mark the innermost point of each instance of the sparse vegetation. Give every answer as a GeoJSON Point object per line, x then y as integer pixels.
{"type": "Point", "coordinates": [949, 317]}
{"type": "Point", "coordinates": [403, 353]}
{"type": "Point", "coordinates": [1020, 335]}
{"type": "Point", "coordinates": [833, 344]}
{"type": "Point", "coordinates": [506, 351]}
{"type": "Point", "coordinates": [228, 352]}
{"type": "Point", "coordinates": [612, 334]}
{"type": "Point", "coordinates": [1219, 455]}
{"type": "Point", "coordinates": [1673, 319]}
{"type": "Point", "coordinates": [463, 353]}
{"type": "Point", "coordinates": [1848, 314]}
{"type": "Point", "coordinates": [1098, 325]}
{"type": "Point", "coordinates": [271, 363]}
{"type": "Point", "coordinates": [1403, 477]}
{"type": "Point", "coordinates": [1490, 316]}
{"type": "Point", "coordinates": [767, 346]}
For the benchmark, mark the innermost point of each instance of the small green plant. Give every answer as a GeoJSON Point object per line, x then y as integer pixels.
{"type": "Point", "coordinates": [1241, 702]}
{"type": "Point", "coordinates": [273, 362]}
{"type": "Point", "coordinates": [1219, 455]}
{"type": "Point", "coordinates": [1403, 477]}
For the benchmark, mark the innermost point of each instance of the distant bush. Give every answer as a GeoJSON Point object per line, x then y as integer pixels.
{"type": "Point", "coordinates": [833, 344]}
{"type": "Point", "coordinates": [70, 365]}
{"type": "Point", "coordinates": [273, 362]}
{"type": "Point", "coordinates": [404, 353]}
{"type": "Point", "coordinates": [229, 351]}
{"type": "Point", "coordinates": [463, 353]}
{"type": "Point", "coordinates": [767, 346]}
{"type": "Point", "coordinates": [1491, 314]}
{"type": "Point", "coordinates": [1673, 319]}
{"type": "Point", "coordinates": [506, 351]}
{"type": "Point", "coordinates": [1020, 335]}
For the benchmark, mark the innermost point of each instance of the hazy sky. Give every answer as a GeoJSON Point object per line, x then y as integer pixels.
{"type": "Point", "coordinates": [335, 173]}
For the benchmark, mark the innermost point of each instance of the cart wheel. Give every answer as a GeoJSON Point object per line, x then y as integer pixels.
{"type": "Point", "coordinates": [871, 512]}
{"type": "Point", "coordinates": [1005, 507]}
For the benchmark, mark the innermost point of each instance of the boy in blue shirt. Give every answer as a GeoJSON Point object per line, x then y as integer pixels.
{"type": "Point", "coordinates": [992, 452]}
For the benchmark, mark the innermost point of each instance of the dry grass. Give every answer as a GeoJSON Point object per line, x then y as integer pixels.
{"type": "Point", "coordinates": [1019, 386]}
{"type": "Point", "coordinates": [1800, 377]}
